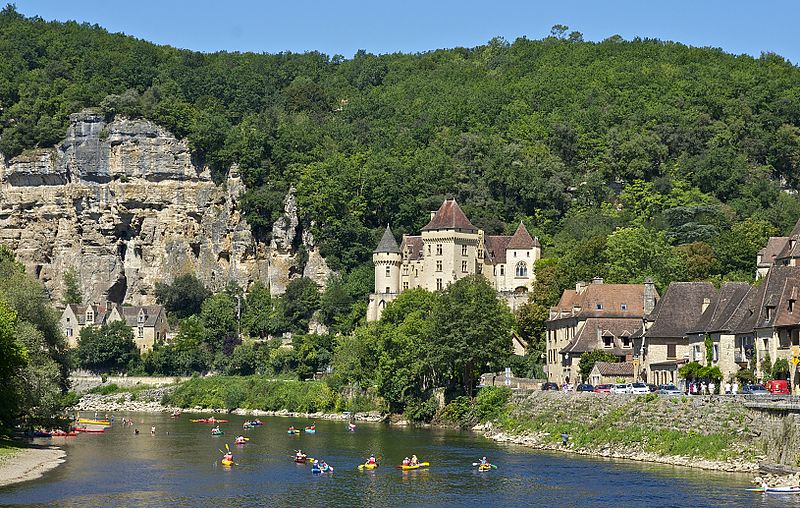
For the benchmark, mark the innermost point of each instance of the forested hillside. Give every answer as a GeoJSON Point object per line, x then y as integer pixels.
{"type": "Point", "coordinates": [627, 158]}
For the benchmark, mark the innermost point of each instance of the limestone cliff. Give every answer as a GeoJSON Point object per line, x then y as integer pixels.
{"type": "Point", "coordinates": [123, 204]}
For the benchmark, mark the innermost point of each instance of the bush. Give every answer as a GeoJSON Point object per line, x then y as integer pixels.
{"type": "Point", "coordinates": [491, 403]}
{"type": "Point", "coordinates": [420, 411]}
{"type": "Point", "coordinates": [105, 389]}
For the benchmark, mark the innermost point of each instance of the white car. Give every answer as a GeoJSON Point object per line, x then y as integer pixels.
{"type": "Point", "coordinates": [619, 389]}
{"type": "Point", "coordinates": [637, 388]}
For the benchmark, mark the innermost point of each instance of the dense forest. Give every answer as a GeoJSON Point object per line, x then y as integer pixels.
{"type": "Point", "coordinates": [627, 158]}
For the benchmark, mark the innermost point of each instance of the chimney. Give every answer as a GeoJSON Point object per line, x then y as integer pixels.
{"type": "Point", "coordinates": [581, 286]}
{"type": "Point", "coordinates": [649, 296]}
{"type": "Point", "coordinates": [706, 303]}
{"type": "Point", "coordinates": [597, 280]}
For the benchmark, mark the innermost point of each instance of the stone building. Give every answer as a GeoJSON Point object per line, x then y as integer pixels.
{"type": "Point", "coordinates": [449, 248]}
{"type": "Point", "coordinates": [147, 322]}
{"type": "Point", "coordinates": [665, 345]}
{"type": "Point", "coordinates": [611, 373]}
{"type": "Point", "coordinates": [595, 316]}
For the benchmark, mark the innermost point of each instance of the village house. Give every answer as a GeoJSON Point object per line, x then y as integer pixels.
{"type": "Point", "coordinates": [147, 322]}
{"type": "Point", "coordinates": [665, 346]}
{"type": "Point", "coordinates": [595, 316]}
{"type": "Point", "coordinates": [449, 248]}
{"type": "Point", "coordinates": [611, 373]}
{"type": "Point", "coordinates": [725, 322]}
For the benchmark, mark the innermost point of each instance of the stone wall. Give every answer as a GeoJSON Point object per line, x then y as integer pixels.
{"type": "Point", "coordinates": [124, 205]}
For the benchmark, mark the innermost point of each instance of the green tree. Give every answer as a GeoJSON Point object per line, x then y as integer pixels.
{"type": "Point", "coordinates": [588, 359]}
{"type": "Point", "coordinates": [13, 357]}
{"type": "Point", "coordinates": [72, 289]}
{"type": "Point", "coordinates": [107, 348]}
{"type": "Point", "coordinates": [218, 317]}
{"type": "Point", "coordinates": [471, 331]}
{"type": "Point", "coordinates": [184, 297]}
{"type": "Point", "coordinates": [637, 253]}
{"type": "Point", "coordinates": [257, 318]}
{"type": "Point", "coordinates": [298, 304]}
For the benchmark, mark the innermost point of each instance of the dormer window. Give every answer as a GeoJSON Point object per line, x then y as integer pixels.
{"type": "Point", "coordinates": [791, 305]}
{"type": "Point", "coordinates": [769, 312]}
{"type": "Point", "coordinates": [608, 341]}
{"type": "Point", "coordinates": [624, 306]}
{"type": "Point", "coordinates": [89, 316]}
{"type": "Point", "coordinates": [598, 306]}
{"type": "Point", "coordinates": [626, 342]}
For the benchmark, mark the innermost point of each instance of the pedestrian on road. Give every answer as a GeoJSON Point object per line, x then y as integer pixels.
{"type": "Point", "coordinates": [728, 388]}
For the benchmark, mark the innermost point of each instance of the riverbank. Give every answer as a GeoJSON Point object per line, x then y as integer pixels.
{"type": "Point", "coordinates": [697, 432]}
{"type": "Point", "coordinates": [28, 462]}
{"type": "Point", "coordinates": [150, 401]}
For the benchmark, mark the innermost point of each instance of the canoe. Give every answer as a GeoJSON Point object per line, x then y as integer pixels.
{"type": "Point", "coordinates": [226, 462]}
{"type": "Point", "coordinates": [362, 467]}
{"type": "Point", "coordinates": [418, 466]}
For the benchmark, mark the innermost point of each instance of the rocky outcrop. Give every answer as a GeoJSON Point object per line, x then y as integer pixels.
{"type": "Point", "coordinates": [123, 204]}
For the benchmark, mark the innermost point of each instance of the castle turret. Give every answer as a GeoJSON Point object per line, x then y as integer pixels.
{"type": "Point", "coordinates": [387, 258]}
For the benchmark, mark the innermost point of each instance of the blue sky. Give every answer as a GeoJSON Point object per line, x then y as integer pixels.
{"type": "Point", "coordinates": [343, 27]}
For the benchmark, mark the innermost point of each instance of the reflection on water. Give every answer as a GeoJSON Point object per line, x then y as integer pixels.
{"type": "Point", "coordinates": [179, 466]}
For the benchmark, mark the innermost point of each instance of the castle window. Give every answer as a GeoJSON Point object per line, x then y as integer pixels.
{"type": "Point", "coordinates": [464, 266]}
{"type": "Point", "coordinates": [438, 265]}
{"type": "Point", "coordinates": [429, 249]}
{"type": "Point", "coordinates": [141, 332]}
{"type": "Point", "coordinates": [68, 332]}
{"type": "Point", "coordinates": [515, 253]}
{"type": "Point", "coordinates": [388, 271]}
{"type": "Point", "coordinates": [522, 269]}
{"type": "Point", "coordinates": [463, 250]}
{"type": "Point", "coordinates": [405, 285]}
{"type": "Point", "coordinates": [388, 289]}
{"type": "Point", "coordinates": [438, 284]}
{"type": "Point", "coordinates": [528, 254]}
{"type": "Point", "coordinates": [89, 317]}
{"type": "Point", "coordinates": [502, 270]}
{"type": "Point", "coordinates": [438, 249]}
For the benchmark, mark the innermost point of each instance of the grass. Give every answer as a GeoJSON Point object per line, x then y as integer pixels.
{"type": "Point", "coordinates": [10, 449]}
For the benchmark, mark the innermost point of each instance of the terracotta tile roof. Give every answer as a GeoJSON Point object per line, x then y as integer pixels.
{"type": "Point", "coordinates": [622, 369]}
{"type": "Point", "coordinates": [414, 246]}
{"type": "Point", "coordinates": [765, 295]}
{"type": "Point", "coordinates": [679, 309]}
{"type": "Point", "coordinates": [387, 243]}
{"type": "Point", "coordinates": [774, 246]}
{"type": "Point", "coordinates": [450, 216]}
{"type": "Point", "coordinates": [495, 248]}
{"type": "Point", "coordinates": [588, 339]}
{"type": "Point", "coordinates": [789, 293]}
{"type": "Point", "coordinates": [522, 239]}
{"type": "Point", "coordinates": [605, 300]}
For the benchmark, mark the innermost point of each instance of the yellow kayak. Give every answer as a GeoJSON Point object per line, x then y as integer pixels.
{"type": "Point", "coordinates": [362, 467]}
{"type": "Point", "coordinates": [226, 462]}
{"type": "Point", "coordinates": [418, 466]}
{"type": "Point", "coordinates": [94, 422]}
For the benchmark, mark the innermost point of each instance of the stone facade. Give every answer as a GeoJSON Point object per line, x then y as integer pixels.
{"type": "Point", "coordinates": [148, 323]}
{"type": "Point", "coordinates": [450, 248]}
{"type": "Point", "coordinates": [123, 204]}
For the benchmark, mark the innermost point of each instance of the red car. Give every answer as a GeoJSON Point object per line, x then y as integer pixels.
{"type": "Point", "coordinates": [778, 387]}
{"type": "Point", "coordinates": [602, 389]}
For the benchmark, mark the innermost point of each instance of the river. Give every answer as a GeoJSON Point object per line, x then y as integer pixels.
{"type": "Point", "coordinates": [179, 466]}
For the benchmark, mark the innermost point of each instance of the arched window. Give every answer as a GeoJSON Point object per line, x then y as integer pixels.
{"type": "Point", "coordinates": [522, 269]}
{"type": "Point", "coordinates": [388, 271]}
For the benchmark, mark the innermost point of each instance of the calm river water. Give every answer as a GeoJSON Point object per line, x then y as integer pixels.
{"type": "Point", "coordinates": [179, 466]}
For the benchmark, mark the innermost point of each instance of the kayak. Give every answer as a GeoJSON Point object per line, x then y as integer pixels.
{"type": "Point", "coordinates": [88, 430]}
{"type": "Point", "coordinates": [311, 431]}
{"type": "Point", "coordinates": [226, 462]}
{"type": "Point", "coordinates": [107, 423]}
{"type": "Point", "coordinates": [362, 467]}
{"type": "Point", "coordinates": [217, 433]}
{"type": "Point", "coordinates": [208, 420]}
{"type": "Point", "coordinates": [418, 466]}
{"type": "Point", "coordinates": [293, 431]}
{"type": "Point", "coordinates": [41, 433]}
{"type": "Point", "coordinates": [485, 467]}
{"type": "Point", "coordinates": [301, 460]}
{"type": "Point", "coordinates": [788, 489]}
{"type": "Point", "coordinates": [61, 433]}
{"type": "Point", "coordinates": [242, 441]}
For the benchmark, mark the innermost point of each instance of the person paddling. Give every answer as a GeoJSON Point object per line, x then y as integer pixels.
{"type": "Point", "coordinates": [414, 460]}
{"type": "Point", "coordinates": [300, 455]}
{"type": "Point", "coordinates": [484, 461]}
{"type": "Point", "coordinates": [406, 461]}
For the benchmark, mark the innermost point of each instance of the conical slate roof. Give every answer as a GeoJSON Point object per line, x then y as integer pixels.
{"type": "Point", "coordinates": [387, 243]}
{"type": "Point", "coordinates": [522, 239]}
{"type": "Point", "coordinates": [450, 216]}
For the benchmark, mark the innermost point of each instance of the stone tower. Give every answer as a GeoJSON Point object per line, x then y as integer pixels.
{"type": "Point", "coordinates": [387, 258]}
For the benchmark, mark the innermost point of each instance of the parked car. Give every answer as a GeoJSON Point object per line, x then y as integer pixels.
{"type": "Point", "coordinates": [669, 390]}
{"type": "Point", "coordinates": [603, 388]}
{"type": "Point", "coordinates": [619, 389]}
{"type": "Point", "coordinates": [637, 388]}
{"type": "Point", "coordinates": [652, 387]}
{"type": "Point", "coordinates": [778, 387]}
{"type": "Point", "coordinates": [549, 386]}
{"type": "Point", "coordinates": [754, 390]}
{"type": "Point", "coordinates": [585, 388]}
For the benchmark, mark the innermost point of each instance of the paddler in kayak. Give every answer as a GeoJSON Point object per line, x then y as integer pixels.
{"type": "Point", "coordinates": [300, 455]}
{"type": "Point", "coordinates": [414, 461]}
{"type": "Point", "coordinates": [228, 457]}
{"type": "Point", "coordinates": [483, 461]}
{"type": "Point", "coordinates": [351, 427]}
{"type": "Point", "coordinates": [406, 461]}
{"type": "Point", "coordinates": [371, 460]}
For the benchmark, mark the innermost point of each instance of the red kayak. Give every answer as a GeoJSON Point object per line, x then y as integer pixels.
{"type": "Point", "coordinates": [300, 461]}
